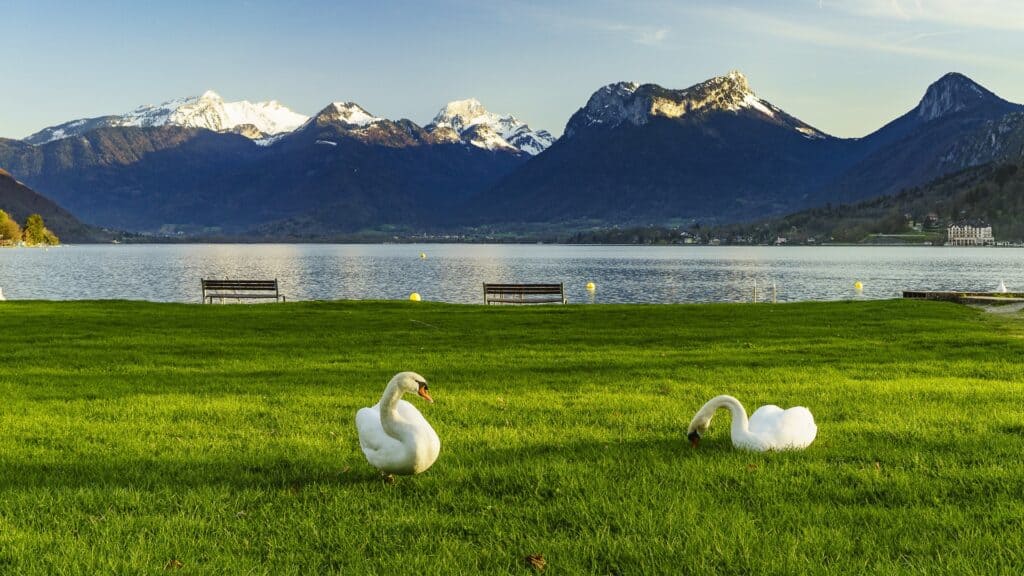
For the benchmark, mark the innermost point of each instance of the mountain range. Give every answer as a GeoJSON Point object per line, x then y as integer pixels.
{"type": "Point", "coordinates": [202, 166]}
{"type": "Point", "coordinates": [633, 154]}
{"type": "Point", "coordinates": [716, 152]}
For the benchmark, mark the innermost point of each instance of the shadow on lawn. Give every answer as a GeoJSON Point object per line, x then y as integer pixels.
{"type": "Point", "coordinates": [294, 475]}
{"type": "Point", "coordinates": [138, 473]}
{"type": "Point", "coordinates": [661, 449]}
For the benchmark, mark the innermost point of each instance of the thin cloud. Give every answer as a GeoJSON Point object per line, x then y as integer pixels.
{"type": "Point", "coordinates": [977, 14]}
{"type": "Point", "coordinates": [825, 36]}
{"type": "Point", "coordinates": [646, 35]}
{"type": "Point", "coordinates": [926, 35]}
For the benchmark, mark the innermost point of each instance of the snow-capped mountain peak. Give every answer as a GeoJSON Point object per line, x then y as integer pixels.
{"type": "Point", "coordinates": [631, 103]}
{"type": "Point", "coordinates": [347, 113]}
{"type": "Point", "coordinates": [484, 129]}
{"type": "Point", "coordinates": [484, 136]}
{"type": "Point", "coordinates": [209, 111]}
{"type": "Point", "coordinates": [351, 113]}
{"type": "Point", "coordinates": [458, 114]}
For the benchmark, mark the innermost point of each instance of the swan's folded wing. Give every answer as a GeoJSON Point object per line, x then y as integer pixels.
{"type": "Point", "coordinates": [797, 427]}
{"type": "Point", "coordinates": [765, 419]}
{"type": "Point", "coordinates": [371, 433]}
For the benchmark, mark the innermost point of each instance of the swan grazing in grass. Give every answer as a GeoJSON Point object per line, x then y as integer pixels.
{"type": "Point", "coordinates": [393, 434]}
{"type": "Point", "coordinates": [769, 428]}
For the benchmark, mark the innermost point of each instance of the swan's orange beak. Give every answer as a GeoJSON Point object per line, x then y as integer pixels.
{"type": "Point", "coordinates": [694, 439]}
{"type": "Point", "coordinates": [423, 391]}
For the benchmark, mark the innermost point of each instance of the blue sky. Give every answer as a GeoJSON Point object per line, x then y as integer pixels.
{"type": "Point", "coordinates": [844, 66]}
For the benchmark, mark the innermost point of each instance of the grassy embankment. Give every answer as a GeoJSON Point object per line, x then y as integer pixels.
{"type": "Point", "coordinates": [138, 437]}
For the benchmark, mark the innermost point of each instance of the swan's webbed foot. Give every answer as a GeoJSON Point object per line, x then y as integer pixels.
{"type": "Point", "coordinates": [387, 478]}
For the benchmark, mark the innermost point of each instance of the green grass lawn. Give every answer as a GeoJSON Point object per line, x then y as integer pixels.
{"type": "Point", "coordinates": [139, 438]}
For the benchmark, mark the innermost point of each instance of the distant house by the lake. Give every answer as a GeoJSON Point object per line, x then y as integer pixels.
{"type": "Point", "coordinates": [970, 234]}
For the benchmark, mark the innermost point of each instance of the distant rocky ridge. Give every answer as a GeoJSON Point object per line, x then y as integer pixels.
{"type": "Point", "coordinates": [951, 94]}
{"type": "Point", "coordinates": [1001, 139]}
{"type": "Point", "coordinates": [942, 134]}
{"type": "Point", "coordinates": [19, 201]}
{"type": "Point", "coordinates": [629, 102]}
{"type": "Point", "coordinates": [991, 193]}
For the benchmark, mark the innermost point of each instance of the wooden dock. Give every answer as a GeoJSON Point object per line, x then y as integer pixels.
{"type": "Point", "coordinates": [967, 297]}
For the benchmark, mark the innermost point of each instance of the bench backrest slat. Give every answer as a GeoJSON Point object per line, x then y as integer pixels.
{"type": "Point", "coordinates": [524, 288]}
{"type": "Point", "coordinates": [239, 284]}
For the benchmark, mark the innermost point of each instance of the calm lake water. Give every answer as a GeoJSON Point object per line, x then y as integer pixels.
{"type": "Point", "coordinates": [454, 272]}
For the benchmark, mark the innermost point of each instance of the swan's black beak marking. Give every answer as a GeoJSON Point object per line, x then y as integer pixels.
{"type": "Point", "coordinates": [424, 392]}
{"type": "Point", "coordinates": [694, 438]}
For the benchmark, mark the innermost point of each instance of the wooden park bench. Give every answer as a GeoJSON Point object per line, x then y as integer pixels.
{"type": "Point", "coordinates": [524, 293]}
{"type": "Point", "coordinates": [967, 297]}
{"type": "Point", "coordinates": [240, 289]}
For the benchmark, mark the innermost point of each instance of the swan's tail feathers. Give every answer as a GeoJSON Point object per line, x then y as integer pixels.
{"type": "Point", "coordinates": [800, 429]}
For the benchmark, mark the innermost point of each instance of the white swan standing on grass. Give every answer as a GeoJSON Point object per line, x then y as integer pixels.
{"type": "Point", "coordinates": [393, 434]}
{"type": "Point", "coordinates": [769, 428]}
{"type": "Point", "coordinates": [1001, 287]}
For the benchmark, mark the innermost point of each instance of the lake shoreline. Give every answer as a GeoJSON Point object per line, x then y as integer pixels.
{"type": "Point", "coordinates": [455, 272]}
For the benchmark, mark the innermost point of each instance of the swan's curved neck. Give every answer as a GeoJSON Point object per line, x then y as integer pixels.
{"type": "Point", "coordinates": [740, 426]}
{"type": "Point", "coordinates": [394, 425]}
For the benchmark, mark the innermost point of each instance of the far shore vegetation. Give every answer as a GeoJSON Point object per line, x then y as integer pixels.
{"type": "Point", "coordinates": [33, 233]}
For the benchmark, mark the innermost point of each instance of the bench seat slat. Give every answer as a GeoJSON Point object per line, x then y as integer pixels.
{"type": "Point", "coordinates": [242, 295]}
{"type": "Point", "coordinates": [254, 285]}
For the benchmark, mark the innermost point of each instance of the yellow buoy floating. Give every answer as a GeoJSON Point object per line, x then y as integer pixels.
{"type": "Point", "coordinates": [591, 286]}
{"type": "Point", "coordinates": [415, 296]}
{"type": "Point", "coordinates": [423, 255]}
{"type": "Point", "coordinates": [858, 286]}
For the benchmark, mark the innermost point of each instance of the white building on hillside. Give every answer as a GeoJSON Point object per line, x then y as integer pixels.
{"type": "Point", "coordinates": [970, 235]}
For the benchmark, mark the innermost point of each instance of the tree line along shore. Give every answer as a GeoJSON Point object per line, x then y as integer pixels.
{"type": "Point", "coordinates": [33, 233]}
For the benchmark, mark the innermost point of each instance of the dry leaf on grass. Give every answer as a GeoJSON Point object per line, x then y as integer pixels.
{"type": "Point", "coordinates": [537, 562]}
